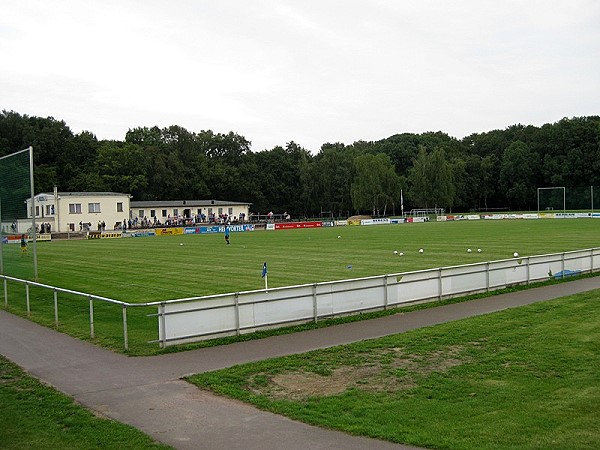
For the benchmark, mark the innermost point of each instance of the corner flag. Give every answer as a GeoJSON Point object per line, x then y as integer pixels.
{"type": "Point", "coordinates": [264, 275]}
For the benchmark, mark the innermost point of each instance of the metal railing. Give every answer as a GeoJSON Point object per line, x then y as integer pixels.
{"type": "Point", "coordinates": [198, 318]}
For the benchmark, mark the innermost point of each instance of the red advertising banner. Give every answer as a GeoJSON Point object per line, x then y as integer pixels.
{"type": "Point", "coordinates": [291, 225]}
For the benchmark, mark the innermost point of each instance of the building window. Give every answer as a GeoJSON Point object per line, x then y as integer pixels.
{"type": "Point", "coordinates": [119, 206]}
{"type": "Point", "coordinates": [164, 213]}
{"type": "Point", "coordinates": [141, 213]}
{"type": "Point", "coordinates": [152, 213]}
{"type": "Point", "coordinates": [175, 212]}
{"type": "Point", "coordinates": [49, 210]}
{"type": "Point", "coordinates": [230, 212]}
{"type": "Point", "coordinates": [74, 208]}
{"type": "Point", "coordinates": [209, 212]}
{"type": "Point", "coordinates": [37, 211]}
{"type": "Point", "coordinates": [220, 211]}
{"type": "Point", "coordinates": [94, 207]}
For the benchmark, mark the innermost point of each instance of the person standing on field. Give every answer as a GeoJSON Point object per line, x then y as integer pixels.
{"type": "Point", "coordinates": [227, 234]}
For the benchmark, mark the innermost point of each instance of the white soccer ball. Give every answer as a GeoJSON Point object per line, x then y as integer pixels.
{"type": "Point", "coordinates": [421, 250]}
{"type": "Point", "coordinates": [478, 250]}
{"type": "Point", "coordinates": [395, 252]}
{"type": "Point", "coordinates": [401, 254]}
{"type": "Point", "coordinates": [181, 243]}
{"type": "Point", "coordinates": [339, 237]}
{"type": "Point", "coordinates": [468, 250]}
{"type": "Point", "coordinates": [515, 254]}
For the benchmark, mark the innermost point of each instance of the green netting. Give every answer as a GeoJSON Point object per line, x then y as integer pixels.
{"type": "Point", "coordinates": [15, 191]}
{"type": "Point", "coordinates": [569, 199]}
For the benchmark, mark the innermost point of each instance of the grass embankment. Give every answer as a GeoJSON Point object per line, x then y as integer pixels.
{"type": "Point", "coordinates": [36, 416]}
{"type": "Point", "coordinates": [522, 378]}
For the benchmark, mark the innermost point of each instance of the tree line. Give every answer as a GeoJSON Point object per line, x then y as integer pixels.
{"type": "Point", "coordinates": [484, 171]}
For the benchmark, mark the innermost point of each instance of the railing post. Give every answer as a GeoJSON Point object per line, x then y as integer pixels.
{"type": "Point", "coordinates": [163, 325]}
{"type": "Point", "coordinates": [528, 271]}
{"type": "Point", "coordinates": [385, 294]}
{"type": "Point", "coordinates": [27, 299]}
{"type": "Point", "coordinates": [91, 317]}
{"type": "Point", "coordinates": [236, 300]}
{"type": "Point", "coordinates": [5, 294]}
{"type": "Point", "coordinates": [315, 309]}
{"type": "Point", "coordinates": [55, 307]}
{"type": "Point", "coordinates": [125, 338]}
{"type": "Point", "coordinates": [562, 264]}
{"type": "Point", "coordinates": [487, 276]}
{"type": "Point", "coordinates": [440, 283]}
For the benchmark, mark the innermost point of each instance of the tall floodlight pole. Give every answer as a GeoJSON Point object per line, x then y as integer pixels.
{"type": "Point", "coordinates": [33, 224]}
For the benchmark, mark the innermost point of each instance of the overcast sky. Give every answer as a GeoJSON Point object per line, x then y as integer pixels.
{"type": "Point", "coordinates": [308, 71]}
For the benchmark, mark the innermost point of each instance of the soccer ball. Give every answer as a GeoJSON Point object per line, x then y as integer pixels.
{"type": "Point", "coordinates": [339, 237]}
{"type": "Point", "coordinates": [515, 254]}
{"type": "Point", "coordinates": [468, 250]}
{"type": "Point", "coordinates": [478, 250]}
{"type": "Point", "coordinates": [395, 252]}
{"type": "Point", "coordinates": [421, 250]}
{"type": "Point", "coordinates": [181, 243]}
{"type": "Point", "coordinates": [401, 254]}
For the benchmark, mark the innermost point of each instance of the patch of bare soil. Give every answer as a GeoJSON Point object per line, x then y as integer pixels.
{"type": "Point", "coordinates": [399, 371]}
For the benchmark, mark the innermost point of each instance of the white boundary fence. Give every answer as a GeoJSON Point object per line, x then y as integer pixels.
{"type": "Point", "coordinates": [200, 318]}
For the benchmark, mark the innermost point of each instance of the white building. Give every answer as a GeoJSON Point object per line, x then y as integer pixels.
{"type": "Point", "coordinates": [188, 209]}
{"type": "Point", "coordinates": [78, 211]}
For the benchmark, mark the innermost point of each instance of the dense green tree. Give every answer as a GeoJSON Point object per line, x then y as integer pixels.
{"type": "Point", "coordinates": [376, 186]}
{"type": "Point", "coordinates": [495, 169]}
{"type": "Point", "coordinates": [518, 175]}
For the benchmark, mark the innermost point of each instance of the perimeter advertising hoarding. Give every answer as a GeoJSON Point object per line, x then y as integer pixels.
{"type": "Point", "coordinates": [375, 221]}
{"type": "Point", "coordinates": [291, 225]}
{"type": "Point", "coordinates": [101, 235]}
{"type": "Point", "coordinates": [169, 231]}
{"type": "Point", "coordinates": [16, 238]}
{"type": "Point", "coordinates": [218, 229]}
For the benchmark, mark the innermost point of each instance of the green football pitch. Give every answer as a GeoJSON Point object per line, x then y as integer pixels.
{"type": "Point", "coordinates": [168, 267]}
{"type": "Point", "coordinates": [148, 269]}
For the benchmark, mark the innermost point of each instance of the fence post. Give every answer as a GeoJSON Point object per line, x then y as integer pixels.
{"type": "Point", "coordinates": [55, 307]}
{"type": "Point", "coordinates": [487, 276]}
{"type": "Point", "coordinates": [27, 299]}
{"type": "Point", "coordinates": [440, 283]}
{"type": "Point", "coordinates": [315, 311]}
{"type": "Point", "coordinates": [5, 294]}
{"type": "Point", "coordinates": [236, 300]}
{"type": "Point", "coordinates": [125, 338]}
{"type": "Point", "coordinates": [91, 317]}
{"type": "Point", "coordinates": [163, 325]}
{"type": "Point", "coordinates": [562, 264]}
{"type": "Point", "coordinates": [385, 293]}
{"type": "Point", "coordinates": [528, 271]}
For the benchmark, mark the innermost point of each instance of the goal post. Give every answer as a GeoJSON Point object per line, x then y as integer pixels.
{"type": "Point", "coordinates": [18, 215]}
{"type": "Point", "coordinates": [551, 199]}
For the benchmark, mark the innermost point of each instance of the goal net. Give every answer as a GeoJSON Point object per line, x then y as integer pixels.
{"type": "Point", "coordinates": [18, 255]}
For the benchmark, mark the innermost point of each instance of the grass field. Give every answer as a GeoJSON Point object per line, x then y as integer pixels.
{"type": "Point", "coordinates": [34, 415]}
{"type": "Point", "coordinates": [159, 268]}
{"type": "Point", "coordinates": [525, 378]}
